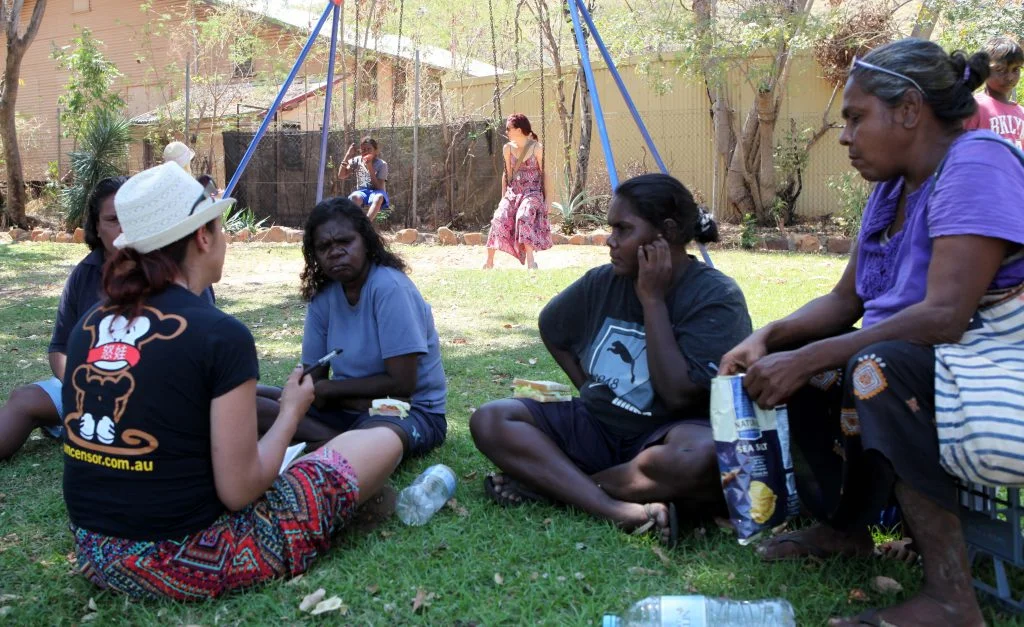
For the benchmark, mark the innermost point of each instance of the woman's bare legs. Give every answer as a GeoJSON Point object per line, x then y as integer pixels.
{"type": "Point", "coordinates": [530, 263]}
{"type": "Point", "coordinates": [373, 454]}
{"type": "Point", "coordinates": [490, 259]}
{"type": "Point", "coordinates": [27, 407]}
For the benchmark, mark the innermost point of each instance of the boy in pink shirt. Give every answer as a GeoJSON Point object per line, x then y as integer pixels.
{"type": "Point", "coordinates": [996, 109]}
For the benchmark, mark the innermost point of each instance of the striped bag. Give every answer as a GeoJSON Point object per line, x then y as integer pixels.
{"type": "Point", "coordinates": [979, 395]}
{"type": "Point", "coordinates": [979, 387]}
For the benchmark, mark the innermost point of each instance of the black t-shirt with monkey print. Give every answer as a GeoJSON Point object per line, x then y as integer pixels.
{"type": "Point", "coordinates": [600, 320]}
{"type": "Point", "coordinates": [137, 394]}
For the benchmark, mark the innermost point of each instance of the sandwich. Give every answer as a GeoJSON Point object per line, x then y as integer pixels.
{"type": "Point", "coordinates": [541, 391]}
{"type": "Point", "coordinates": [389, 407]}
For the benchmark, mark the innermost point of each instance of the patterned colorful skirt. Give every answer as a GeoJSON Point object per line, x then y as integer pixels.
{"type": "Point", "coordinates": [278, 535]}
{"type": "Point", "coordinates": [855, 434]}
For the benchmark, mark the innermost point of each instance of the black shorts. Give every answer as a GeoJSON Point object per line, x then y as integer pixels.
{"type": "Point", "coordinates": [422, 430]}
{"type": "Point", "coordinates": [588, 442]}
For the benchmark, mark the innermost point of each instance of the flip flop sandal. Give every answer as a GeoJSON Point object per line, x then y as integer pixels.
{"type": "Point", "coordinates": [807, 549]}
{"type": "Point", "coordinates": [512, 493]}
{"type": "Point", "coordinates": [899, 551]}
{"type": "Point", "coordinates": [652, 522]}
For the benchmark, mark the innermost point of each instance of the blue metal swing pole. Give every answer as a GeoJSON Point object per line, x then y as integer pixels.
{"type": "Point", "coordinates": [277, 102]}
{"type": "Point", "coordinates": [588, 71]}
{"type": "Point", "coordinates": [622, 86]}
{"type": "Point", "coordinates": [327, 106]}
{"type": "Point", "coordinates": [581, 6]}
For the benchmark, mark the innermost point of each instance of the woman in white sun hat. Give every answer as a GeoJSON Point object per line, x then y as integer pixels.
{"type": "Point", "coordinates": [179, 153]}
{"type": "Point", "coordinates": [169, 491]}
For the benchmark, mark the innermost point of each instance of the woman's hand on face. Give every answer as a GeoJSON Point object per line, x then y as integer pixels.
{"type": "Point", "coordinates": [743, 356]}
{"type": "Point", "coordinates": [654, 275]}
{"type": "Point", "coordinates": [774, 378]}
{"type": "Point", "coordinates": [297, 394]}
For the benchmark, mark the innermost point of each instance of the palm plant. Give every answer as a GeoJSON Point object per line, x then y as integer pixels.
{"type": "Point", "coordinates": [103, 152]}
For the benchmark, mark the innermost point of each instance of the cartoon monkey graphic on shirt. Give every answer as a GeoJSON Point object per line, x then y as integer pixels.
{"type": "Point", "coordinates": [104, 383]}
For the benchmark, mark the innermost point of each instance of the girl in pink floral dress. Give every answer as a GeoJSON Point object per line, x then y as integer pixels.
{"type": "Point", "coordinates": [520, 224]}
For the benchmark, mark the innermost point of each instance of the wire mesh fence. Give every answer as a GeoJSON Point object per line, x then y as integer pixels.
{"type": "Point", "coordinates": [458, 173]}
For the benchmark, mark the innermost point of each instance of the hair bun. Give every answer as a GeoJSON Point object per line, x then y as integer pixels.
{"type": "Point", "coordinates": [973, 71]}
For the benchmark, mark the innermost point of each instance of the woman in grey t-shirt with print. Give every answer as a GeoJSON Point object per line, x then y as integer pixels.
{"type": "Point", "coordinates": [360, 300]}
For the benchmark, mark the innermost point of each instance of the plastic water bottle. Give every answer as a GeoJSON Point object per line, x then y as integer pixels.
{"type": "Point", "coordinates": [701, 611]}
{"type": "Point", "coordinates": [427, 494]}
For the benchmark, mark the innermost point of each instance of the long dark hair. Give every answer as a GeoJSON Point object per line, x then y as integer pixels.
{"type": "Point", "coordinates": [947, 80]}
{"type": "Point", "coordinates": [660, 197]}
{"type": "Point", "coordinates": [103, 190]}
{"type": "Point", "coordinates": [131, 277]}
{"type": "Point", "coordinates": [341, 208]}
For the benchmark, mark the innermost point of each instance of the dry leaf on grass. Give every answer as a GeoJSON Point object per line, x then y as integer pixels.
{"type": "Point", "coordinates": [294, 580]}
{"type": "Point", "coordinates": [91, 605]}
{"type": "Point", "coordinates": [386, 534]}
{"type": "Point", "coordinates": [5, 610]}
{"type": "Point", "coordinates": [731, 576]}
{"type": "Point", "coordinates": [453, 505]}
{"type": "Point", "coordinates": [886, 585]}
{"type": "Point", "coordinates": [507, 326]}
{"type": "Point", "coordinates": [469, 476]}
{"type": "Point", "coordinates": [422, 600]}
{"type": "Point", "coordinates": [374, 589]}
{"type": "Point", "coordinates": [90, 616]}
{"type": "Point", "coordinates": [4, 598]}
{"type": "Point", "coordinates": [547, 522]}
{"type": "Point", "coordinates": [661, 555]}
{"type": "Point", "coordinates": [458, 340]}
{"type": "Point", "coordinates": [330, 605]}
{"type": "Point", "coordinates": [532, 361]}
{"type": "Point", "coordinates": [534, 576]}
{"type": "Point", "coordinates": [640, 570]}
{"type": "Point", "coordinates": [580, 546]}
{"type": "Point", "coordinates": [857, 595]}
{"type": "Point", "coordinates": [579, 576]}
{"type": "Point", "coordinates": [310, 600]}
{"type": "Point", "coordinates": [498, 579]}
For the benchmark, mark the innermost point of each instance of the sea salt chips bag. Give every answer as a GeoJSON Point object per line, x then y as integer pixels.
{"type": "Point", "coordinates": [754, 459]}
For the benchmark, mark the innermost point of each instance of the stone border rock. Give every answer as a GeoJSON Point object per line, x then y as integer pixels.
{"type": "Point", "coordinates": [796, 242]}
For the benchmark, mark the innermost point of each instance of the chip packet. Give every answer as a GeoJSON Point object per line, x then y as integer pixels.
{"type": "Point", "coordinates": [754, 459]}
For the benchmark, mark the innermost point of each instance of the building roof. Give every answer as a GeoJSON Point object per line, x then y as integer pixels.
{"type": "Point", "coordinates": [233, 99]}
{"type": "Point", "coordinates": [391, 45]}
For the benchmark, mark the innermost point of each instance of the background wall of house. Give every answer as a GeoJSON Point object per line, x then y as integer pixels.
{"type": "Point", "coordinates": [679, 121]}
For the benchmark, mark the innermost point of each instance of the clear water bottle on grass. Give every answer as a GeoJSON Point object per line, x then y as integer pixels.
{"type": "Point", "coordinates": [701, 611]}
{"type": "Point", "coordinates": [427, 494]}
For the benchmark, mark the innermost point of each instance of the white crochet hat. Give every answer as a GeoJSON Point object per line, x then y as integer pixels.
{"type": "Point", "coordinates": [179, 153]}
{"type": "Point", "coordinates": [161, 205]}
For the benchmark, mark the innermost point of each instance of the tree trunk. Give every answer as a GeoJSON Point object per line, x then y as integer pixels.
{"type": "Point", "coordinates": [17, 198]}
{"type": "Point", "coordinates": [579, 182]}
{"type": "Point", "coordinates": [766, 113]}
{"type": "Point", "coordinates": [927, 17]}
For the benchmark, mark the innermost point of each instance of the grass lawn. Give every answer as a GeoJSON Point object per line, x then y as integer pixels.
{"type": "Point", "coordinates": [473, 564]}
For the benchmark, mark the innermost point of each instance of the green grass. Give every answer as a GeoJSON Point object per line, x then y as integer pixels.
{"type": "Point", "coordinates": [556, 566]}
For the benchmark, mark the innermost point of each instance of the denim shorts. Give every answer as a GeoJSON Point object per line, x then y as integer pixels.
{"type": "Point", "coordinates": [53, 388]}
{"type": "Point", "coordinates": [423, 430]}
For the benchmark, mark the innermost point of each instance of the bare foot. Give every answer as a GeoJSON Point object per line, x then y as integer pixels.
{"type": "Point", "coordinates": [488, 265]}
{"type": "Point", "coordinates": [818, 541]}
{"type": "Point", "coordinates": [637, 518]}
{"type": "Point", "coordinates": [922, 610]}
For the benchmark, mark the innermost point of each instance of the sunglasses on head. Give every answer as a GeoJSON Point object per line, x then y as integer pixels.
{"type": "Point", "coordinates": [209, 191]}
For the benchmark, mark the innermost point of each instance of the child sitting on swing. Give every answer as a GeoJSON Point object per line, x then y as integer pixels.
{"type": "Point", "coordinates": [371, 177]}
